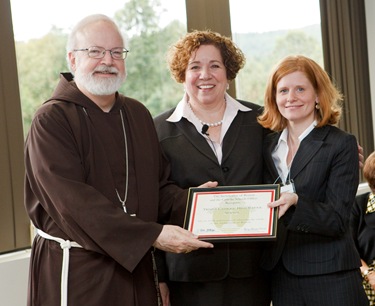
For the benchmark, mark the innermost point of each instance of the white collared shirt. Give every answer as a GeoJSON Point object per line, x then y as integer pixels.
{"type": "Point", "coordinates": [280, 153]}
{"type": "Point", "coordinates": [184, 111]}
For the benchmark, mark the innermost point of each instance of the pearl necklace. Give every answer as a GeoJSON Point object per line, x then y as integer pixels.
{"type": "Point", "coordinates": [217, 123]}
{"type": "Point", "coordinates": [211, 124]}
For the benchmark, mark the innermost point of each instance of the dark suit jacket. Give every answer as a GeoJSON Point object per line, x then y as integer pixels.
{"type": "Point", "coordinates": [314, 236]}
{"type": "Point", "coordinates": [192, 163]}
{"type": "Point", "coordinates": [363, 227]}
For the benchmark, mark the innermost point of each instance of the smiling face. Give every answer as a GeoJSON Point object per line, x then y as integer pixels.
{"type": "Point", "coordinates": [295, 98]}
{"type": "Point", "coordinates": [206, 78]}
{"type": "Point", "coordinates": [98, 76]}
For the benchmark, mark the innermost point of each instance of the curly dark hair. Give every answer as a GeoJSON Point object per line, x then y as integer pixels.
{"type": "Point", "coordinates": [180, 53]}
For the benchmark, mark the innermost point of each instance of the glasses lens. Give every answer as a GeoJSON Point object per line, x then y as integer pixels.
{"type": "Point", "coordinates": [99, 52]}
{"type": "Point", "coordinates": [96, 52]}
{"type": "Point", "coordinates": [119, 53]}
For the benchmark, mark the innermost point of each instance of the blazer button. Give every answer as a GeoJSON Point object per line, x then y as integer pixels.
{"type": "Point", "coordinates": [225, 169]}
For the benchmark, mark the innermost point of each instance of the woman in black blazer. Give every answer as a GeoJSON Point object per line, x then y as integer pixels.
{"type": "Point", "coordinates": [363, 227]}
{"type": "Point", "coordinates": [211, 136]}
{"type": "Point", "coordinates": [314, 260]}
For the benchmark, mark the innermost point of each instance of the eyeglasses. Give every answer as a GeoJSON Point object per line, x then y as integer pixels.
{"type": "Point", "coordinates": [99, 52]}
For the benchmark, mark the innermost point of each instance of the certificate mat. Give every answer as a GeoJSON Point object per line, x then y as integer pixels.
{"type": "Point", "coordinates": [232, 213]}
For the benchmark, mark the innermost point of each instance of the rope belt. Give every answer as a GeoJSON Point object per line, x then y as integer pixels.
{"type": "Point", "coordinates": [65, 245]}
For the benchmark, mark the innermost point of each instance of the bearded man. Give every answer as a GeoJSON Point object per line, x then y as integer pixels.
{"type": "Point", "coordinates": [97, 187]}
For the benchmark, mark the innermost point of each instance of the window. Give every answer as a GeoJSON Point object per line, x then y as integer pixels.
{"type": "Point", "coordinates": [41, 40]}
{"type": "Point", "coordinates": [43, 57]}
{"type": "Point", "coordinates": [268, 30]}
{"type": "Point", "coordinates": [40, 48]}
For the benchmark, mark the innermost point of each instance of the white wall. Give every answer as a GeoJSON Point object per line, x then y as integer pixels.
{"type": "Point", "coordinates": [14, 270]}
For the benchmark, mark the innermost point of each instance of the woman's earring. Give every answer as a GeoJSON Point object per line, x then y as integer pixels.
{"type": "Point", "coordinates": [317, 106]}
{"type": "Point", "coordinates": [227, 86]}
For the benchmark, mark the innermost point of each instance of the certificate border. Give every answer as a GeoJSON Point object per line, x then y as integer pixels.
{"type": "Point", "coordinates": [273, 216]}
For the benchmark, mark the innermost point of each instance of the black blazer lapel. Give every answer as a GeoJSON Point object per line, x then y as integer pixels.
{"type": "Point", "coordinates": [270, 169]}
{"type": "Point", "coordinates": [308, 149]}
{"type": "Point", "coordinates": [230, 138]}
{"type": "Point", "coordinates": [197, 140]}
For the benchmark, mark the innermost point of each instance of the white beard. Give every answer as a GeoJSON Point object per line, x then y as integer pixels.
{"type": "Point", "coordinates": [100, 86]}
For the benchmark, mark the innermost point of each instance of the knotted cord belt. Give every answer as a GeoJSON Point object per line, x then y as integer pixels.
{"type": "Point", "coordinates": [65, 245]}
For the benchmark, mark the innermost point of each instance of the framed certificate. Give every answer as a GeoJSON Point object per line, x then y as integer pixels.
{"type": "Point", "coordinates": [232, 213]}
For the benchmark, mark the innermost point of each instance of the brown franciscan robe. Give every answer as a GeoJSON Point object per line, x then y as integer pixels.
{"type": "Point", "coordinates": [75, 161]}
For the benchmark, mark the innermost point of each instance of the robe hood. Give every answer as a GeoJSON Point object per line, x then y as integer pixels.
{"type": "Point", "coordinates": [66, 86]}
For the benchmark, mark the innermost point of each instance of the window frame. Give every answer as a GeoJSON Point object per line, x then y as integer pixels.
{"type": "Point", "coordinates": [201, 14]}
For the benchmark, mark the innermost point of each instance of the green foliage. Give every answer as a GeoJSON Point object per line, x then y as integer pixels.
{"type": "Point", "coordinates": [40, 61]}
{"type": "Point", "coordinates": [139, 16]}
{"type": "Point", "coordinates": [149, 79]}
{"type": "Point", "coordinates": [264, 50]}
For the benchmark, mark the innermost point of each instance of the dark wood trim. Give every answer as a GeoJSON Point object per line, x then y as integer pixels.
{"type": "Point", "coordinates": [14, 223]}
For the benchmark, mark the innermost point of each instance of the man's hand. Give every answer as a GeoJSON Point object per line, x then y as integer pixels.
{"type": "Point", "coordinates": [178, 240]}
